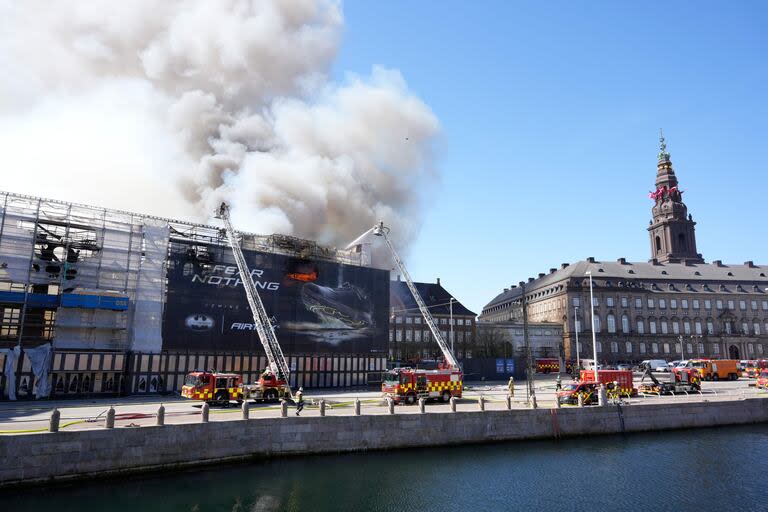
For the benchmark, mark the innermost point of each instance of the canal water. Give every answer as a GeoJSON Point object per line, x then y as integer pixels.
{"type": "Point", "coordinates": [719, 469]}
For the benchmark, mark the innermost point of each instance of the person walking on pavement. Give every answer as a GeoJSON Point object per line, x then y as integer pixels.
{"type": "Point", "coordinates": [559, 383]}
{"type": "Point", "coordinates": [511, 387]}
{"type": "Point", "coordinates": [299, 399]}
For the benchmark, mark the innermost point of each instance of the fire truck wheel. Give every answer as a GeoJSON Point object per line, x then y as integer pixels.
{"type": "Point", "coordinates": [446, 396]}
{"type": "Point", "coordinates": [270, 395]}
{"type": "Point", "coordinates": [222, 397]}
{"type": "Point", "coordinates": [410, 398]}
{"type": "Point", "coordinates": [715, 377]}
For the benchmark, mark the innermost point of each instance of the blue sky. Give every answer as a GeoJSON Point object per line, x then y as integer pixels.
{"type": "Point", "coordinates": [550, 115]}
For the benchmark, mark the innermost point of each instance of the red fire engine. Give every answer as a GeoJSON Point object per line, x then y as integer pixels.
{"type": "Point", "coordinates": [213, 387]}
{"type": "Point", "coordinates": [409, 384]}
{"type": "Point", "coordinates": [551, 365]}
{"type": "Point", "coordinates": [753, 368]}
{"type": "Point", "coordinates": [762, 380]}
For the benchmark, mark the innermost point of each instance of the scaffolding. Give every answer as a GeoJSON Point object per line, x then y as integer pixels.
{"type": "Point", "coordinates": [91, 278]}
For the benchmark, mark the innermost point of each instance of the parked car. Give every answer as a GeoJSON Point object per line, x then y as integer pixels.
{"type": "Point", "coordinates": [624, 367]}
{"type": "Point", "coordinates": [656, 365]}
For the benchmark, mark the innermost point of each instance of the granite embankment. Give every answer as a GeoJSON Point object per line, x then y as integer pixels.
{"type": "Point", "coordinates": [59, 456]}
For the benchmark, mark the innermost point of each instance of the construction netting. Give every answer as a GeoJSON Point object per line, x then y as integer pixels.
{"type": "Point", "coordinates": [150, 290]}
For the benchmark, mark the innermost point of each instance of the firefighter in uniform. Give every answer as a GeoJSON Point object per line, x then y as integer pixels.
{"type": "Point", "coordinates": [511, 387]}
{"type": "Point", "coordinates": [558, 383]}
{"type": "Point", "coordinates": [299, 398]}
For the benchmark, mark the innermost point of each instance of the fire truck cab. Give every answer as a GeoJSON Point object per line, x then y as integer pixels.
{"type": "Point", "coordinates": [408, 384]}
{"type": "Point", "coordinates": [213, 387]}
{"type": "Point", "coordinates": [753, 369]}
{"type": "Point", "coordinates": [268, 388]}
{"type": "Point", "coordinates": [762, 380]}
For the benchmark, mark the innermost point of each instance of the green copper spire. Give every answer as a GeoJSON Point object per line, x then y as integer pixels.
{"type": "Point", "coordinates": [663, 155]}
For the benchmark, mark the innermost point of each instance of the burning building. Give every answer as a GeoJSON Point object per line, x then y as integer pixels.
{"type": "Point", "coordinates": [94, 300]}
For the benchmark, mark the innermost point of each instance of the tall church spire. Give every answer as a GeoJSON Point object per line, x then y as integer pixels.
{"type": "Point", "coordinates": [673, 238]}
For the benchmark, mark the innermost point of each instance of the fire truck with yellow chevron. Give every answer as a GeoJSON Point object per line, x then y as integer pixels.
{"type": "Point", "coordinates": [409, 384]}
{"type": "Point", "coordinates": [274, 382]}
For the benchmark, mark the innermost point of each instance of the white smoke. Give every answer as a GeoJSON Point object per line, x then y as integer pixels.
{"type": "Point", "coordinates": [171, 107]}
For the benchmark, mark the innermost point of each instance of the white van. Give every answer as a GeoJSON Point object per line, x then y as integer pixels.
{"type": "Point", "coordinates": [656, 365]}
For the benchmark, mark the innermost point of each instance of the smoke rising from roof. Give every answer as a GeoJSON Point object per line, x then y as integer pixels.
{"type": "Point", "coordinates": [171, 107]}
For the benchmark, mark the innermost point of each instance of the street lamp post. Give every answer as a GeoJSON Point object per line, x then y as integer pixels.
{"type": "Point", "coordinates": [594, 336]}
{"type": "Point", "coordinates": [450, 307]}
{"type": "Point", "coordinates": [682, 349]}
{"type": "Point", "coordinates": [577, 326]}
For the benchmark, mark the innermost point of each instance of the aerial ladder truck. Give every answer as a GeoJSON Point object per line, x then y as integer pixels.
{"type": "Point", "coordinates": [409, 384]}
{"type": "Point", "coordinates": [273, 384]}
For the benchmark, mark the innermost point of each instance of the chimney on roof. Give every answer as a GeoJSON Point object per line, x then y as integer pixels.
{"type": "Point", "coordinates": [591, 259]}
{"type": "Point", "coordinates": [438, 281]}
{"type": "Point", "coordinates": [718, 263]}
{"type": "Point", "coordinates": [564, 265]}
{"type": "Point", "coordinates": [541, 274]}
{"type": "Point", "coordinates": [750, 264]}
{"type": "Point", "coordinates": [512, 286]}
{"type": "Point", "coordinates": [530, 279]}
{"type": "Point", "coordinates": [552, 270]}
{"type": "Point", "coordinates": [506, 290]}
{"type": "Point", "coordinates": [623, 261]}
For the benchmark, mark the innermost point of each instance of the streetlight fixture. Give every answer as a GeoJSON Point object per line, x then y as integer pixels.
{"type": "Point", "coordinates": [594, 336]}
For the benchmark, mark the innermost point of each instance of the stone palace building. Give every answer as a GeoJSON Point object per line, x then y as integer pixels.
{"type": "Point", "coordinates": [673, 306]}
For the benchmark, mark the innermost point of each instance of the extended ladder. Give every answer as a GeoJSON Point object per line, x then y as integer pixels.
{"type": "Point", "coordinates": [266, 332]}
{"type": "Point", "coordinates": [382, 231]}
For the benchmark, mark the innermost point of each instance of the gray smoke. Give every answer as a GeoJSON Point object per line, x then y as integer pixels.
{"type": "Point", "coordinates": [171, 107]}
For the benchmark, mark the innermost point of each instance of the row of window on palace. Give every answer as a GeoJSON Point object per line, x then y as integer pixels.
{"type": "Point", "coordinates": [664, 326]}
{"type": "Point", "coordinates": [441, 320]}
{"type": "Point", "coordinates": [652, 303]}
{"type": "Point", "coordinates": [665, 348]}
{"type": "Point", "coordinates": [425, 336]}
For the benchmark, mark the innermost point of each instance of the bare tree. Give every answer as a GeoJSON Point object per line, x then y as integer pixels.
{"type": "Point", "coordinates": [492, 341]}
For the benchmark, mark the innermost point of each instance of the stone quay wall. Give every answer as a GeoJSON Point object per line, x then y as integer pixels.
{"type": "Point", "coordinates": [61, 456]}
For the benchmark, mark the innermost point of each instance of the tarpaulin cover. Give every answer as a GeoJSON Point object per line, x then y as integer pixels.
{"type": "Point", "coordinates": [11, 356]}
{"type": "Point", "coordinates": [40, 359]}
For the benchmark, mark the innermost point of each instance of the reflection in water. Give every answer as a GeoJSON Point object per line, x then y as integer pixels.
{"type": "Point", "coordinates": [694, 470]}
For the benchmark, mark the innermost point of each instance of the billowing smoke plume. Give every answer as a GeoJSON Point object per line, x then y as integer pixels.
{"type": "Point", "coordinates": [170, 107]}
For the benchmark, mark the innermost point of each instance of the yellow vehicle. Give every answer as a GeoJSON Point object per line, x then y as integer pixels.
{"type": "Point", "coordinates": [715, 369]}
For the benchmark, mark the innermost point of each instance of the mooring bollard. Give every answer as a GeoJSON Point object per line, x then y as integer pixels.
{"type": "Point", "coordinates": [322, 407]}
{"type": "Point", "coordinates": [391, 405]}
{"type": "Point", "coordinates": [601, 398]}
{"type": "Point", "coordinates": [481, 402]}
{"type": "Point", "coordinates": [422, 405]}
{"type": "Point", "coordinates": [246, 409]}
{"type": "Point", "coordinates": [110, 423]}
{"type": "Point", "coordinates": [509, 403]}
{"type": "Point", "coordinates": [283, 408]}
{"type": "Point", "coordinates": [205, 413]}
{"type": "Point", "coordinates": [161, 416]}
{"type": "Point", "coordinates": [453, 404]}
{"type": "Point", "coordinates": [581, 400]}
{"type": "Point", "coordinates": [55, 418]}
{"type": "Point", "coordinates": [534, 404]}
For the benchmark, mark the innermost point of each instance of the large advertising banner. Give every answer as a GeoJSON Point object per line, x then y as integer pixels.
{"type": "Point", "coordinates": [314, 306]}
